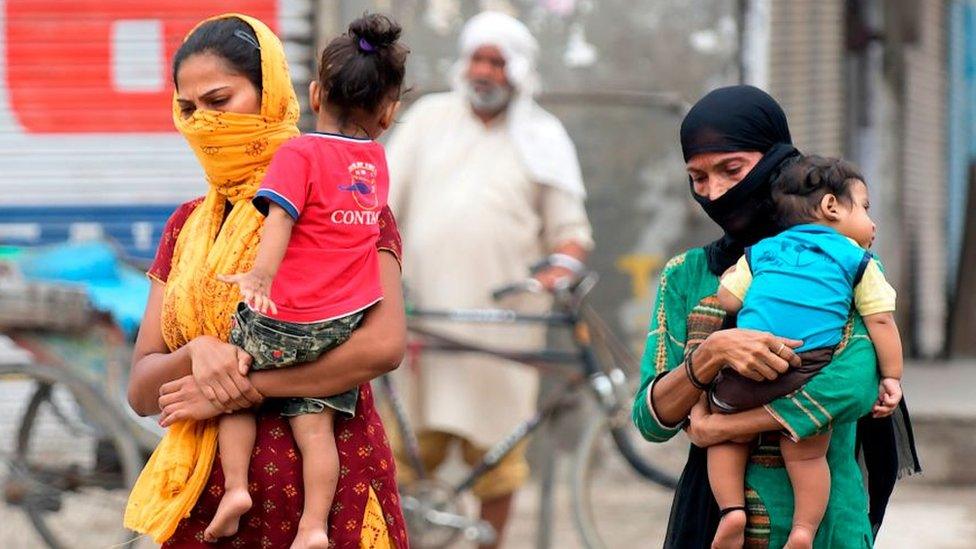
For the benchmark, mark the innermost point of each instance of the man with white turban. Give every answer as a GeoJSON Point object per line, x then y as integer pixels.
{"type": "Point", "coordinates": [484, 183]}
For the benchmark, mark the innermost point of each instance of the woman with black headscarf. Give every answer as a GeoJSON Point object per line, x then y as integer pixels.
{"type": "Point", "coordinates": [735, 140]}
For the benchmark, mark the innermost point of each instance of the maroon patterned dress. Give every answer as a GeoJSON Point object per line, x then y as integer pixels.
{"type": "Point", "coordinates": [275, 475]}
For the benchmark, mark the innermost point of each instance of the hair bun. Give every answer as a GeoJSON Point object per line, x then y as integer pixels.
{"type": "Point", "coordinates": [377, 29]}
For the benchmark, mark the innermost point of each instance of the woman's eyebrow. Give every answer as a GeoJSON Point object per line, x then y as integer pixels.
{"type": "Point", "coordinates": [213, 92]}
{"type": "Point", "coordinates": [725, 162]}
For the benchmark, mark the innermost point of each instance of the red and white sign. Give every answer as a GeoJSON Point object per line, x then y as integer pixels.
{"type": "Point", "coordinates": [89, 66]}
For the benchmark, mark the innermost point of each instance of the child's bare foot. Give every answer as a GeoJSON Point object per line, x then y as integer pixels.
{"type": "Point", "coordinates": [232, 506]}
{"type": "Point", "coordinates": [311, 538]}
{"type": "Point", "coordinates": [731, 532]}
{"type": "Point", "coordinates": [801, 537]}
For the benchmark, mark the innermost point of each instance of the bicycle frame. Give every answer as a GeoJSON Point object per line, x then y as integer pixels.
{"type": "Point", "coordinates": [544, 360]}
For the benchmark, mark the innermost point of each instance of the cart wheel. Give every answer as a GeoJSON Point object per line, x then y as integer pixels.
{"type": "Point", "coordinates": [74, 461]}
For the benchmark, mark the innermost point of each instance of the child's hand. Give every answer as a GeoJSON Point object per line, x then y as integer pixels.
{"type": "Point", "coordinates": [889, 395]}
{"type": "Point", "coordinates": [243, 362]}
{"type": "Point", "coordinates": [255, 290]}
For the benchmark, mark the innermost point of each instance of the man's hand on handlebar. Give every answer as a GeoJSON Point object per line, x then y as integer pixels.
{"type": "Point", "coordinates": [554, 277]}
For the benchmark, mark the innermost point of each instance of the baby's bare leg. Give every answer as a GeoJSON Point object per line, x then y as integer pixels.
{"type": "Point", "coordinates": [320, 470]}
{"type": "Point", "coordinates": [235, 439]}
{"type": "Point", "coordinates": [806, 464]}
{"type": "Point", "coordinates": [726, 474]}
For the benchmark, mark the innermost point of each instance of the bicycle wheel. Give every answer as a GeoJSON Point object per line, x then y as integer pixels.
{"type": "Point", "coordinates": [607, 486]}
{"type": "Point", "coordinates": [73, 461]}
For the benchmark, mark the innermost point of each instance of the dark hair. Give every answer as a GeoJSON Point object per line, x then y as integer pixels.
{"type": "Point", "coordinates": [231, 39]}
{"type": "Point", "coordinates": [362, 68]}
{"type": "Point", "coordinates": [800, 187]}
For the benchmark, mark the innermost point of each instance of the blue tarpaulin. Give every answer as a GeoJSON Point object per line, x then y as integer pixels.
{"type": "Point", "coordinates": [113, 286]}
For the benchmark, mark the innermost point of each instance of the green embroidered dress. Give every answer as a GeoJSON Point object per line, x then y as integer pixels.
{"type": "Point", "coordinates": [835, 399]}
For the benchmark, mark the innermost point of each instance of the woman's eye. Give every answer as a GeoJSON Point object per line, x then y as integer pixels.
{"type": "Point", "coordinates": [218, 102]}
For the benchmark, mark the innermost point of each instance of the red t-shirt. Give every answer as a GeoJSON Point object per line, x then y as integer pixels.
{"type": "Point", "coordinates": [335, 188]}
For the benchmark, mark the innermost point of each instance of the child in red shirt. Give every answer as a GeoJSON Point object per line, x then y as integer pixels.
{"type": "Point", "coordinates": [317, 268]}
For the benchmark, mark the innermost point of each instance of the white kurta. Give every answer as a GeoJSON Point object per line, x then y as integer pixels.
{"type": "Point", "coordinates": [472, 220]}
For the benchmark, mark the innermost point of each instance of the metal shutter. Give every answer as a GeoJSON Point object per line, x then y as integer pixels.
{"type": "Point", "coordinates": [87, 142]}
{"type": "Point", "coordinates": [805, 72]}
{"type": "Point", "coordinates": [924, 169]}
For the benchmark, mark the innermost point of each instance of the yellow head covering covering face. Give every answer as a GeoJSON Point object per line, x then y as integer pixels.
{"type": "Point", "coordinates": [234, 150]}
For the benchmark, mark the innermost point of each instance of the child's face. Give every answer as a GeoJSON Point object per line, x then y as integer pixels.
{"type": "Point", "coordinates": [852, 220]}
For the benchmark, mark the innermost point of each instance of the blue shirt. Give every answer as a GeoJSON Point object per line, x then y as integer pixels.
{"type": "Point", "coordinates": [803, 285]}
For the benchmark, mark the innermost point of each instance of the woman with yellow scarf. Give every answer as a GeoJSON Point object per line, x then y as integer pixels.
{"type": "Point", "coordinates": [235, 105]}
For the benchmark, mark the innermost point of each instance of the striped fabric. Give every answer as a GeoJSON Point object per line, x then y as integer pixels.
{"type": "Point", "coordinates": [757, 523]}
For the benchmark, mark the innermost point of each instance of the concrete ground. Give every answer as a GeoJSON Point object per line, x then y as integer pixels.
{"type": "Point", "coordinates": [920, 515]}
{"type": "Point", "coordinates": [925, 512]}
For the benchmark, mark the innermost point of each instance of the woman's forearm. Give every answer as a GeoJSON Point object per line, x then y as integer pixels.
{"type": "Point", "coordinates": [745, 424]}
{"type": "Point", "coordinates": [673, 395]}
{"type": "Point", "coordinates": [348, 366]}
{"type": "Point", "coordinates": [152, 362]}
{"type": "Point", "coordinates": [150, 372]}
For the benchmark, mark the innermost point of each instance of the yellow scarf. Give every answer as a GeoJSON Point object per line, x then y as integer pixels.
{"type": "Point", "coordinates": [234, 150]}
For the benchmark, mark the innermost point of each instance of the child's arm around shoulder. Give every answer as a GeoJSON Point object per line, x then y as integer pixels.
{"type": "Point", "coordinates": [874, 299]}
{"type": "Point", "coordinates": [734, 285]}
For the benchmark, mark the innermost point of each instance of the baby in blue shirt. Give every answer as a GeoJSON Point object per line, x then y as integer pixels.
{"type": "Point", "coordinates": [802, 284]}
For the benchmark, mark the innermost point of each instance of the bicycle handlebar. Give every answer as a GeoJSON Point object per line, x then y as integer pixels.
{"type": "Point", "coordinates": [569, 290]}
{"type": "Point", "coordinates": [529, 285]}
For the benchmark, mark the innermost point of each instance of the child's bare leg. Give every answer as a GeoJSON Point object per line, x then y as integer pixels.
{"type": "Point", "coordinates": [726, 474]}
{"type": "Point", "coordinates": [320, 469]}
{"type": "Point", "coordinates": [806, 464]}
{"type": "Point", "coordinates": [235, 438]}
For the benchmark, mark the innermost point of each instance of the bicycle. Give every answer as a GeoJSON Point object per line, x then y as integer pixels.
{"type": "Point", "coordinates": [604, 369]}
{"type": "Point", "coordinates": [77, 447]}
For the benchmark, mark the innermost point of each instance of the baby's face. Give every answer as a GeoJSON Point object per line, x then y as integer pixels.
{"type": "Point", "coordinates": [855, 222]}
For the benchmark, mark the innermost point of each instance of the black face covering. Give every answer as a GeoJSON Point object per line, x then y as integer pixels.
{"type": "Point", "coordinates": [733, 119]}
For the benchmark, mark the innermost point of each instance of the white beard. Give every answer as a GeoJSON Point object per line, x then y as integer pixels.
{"type": "Point", "coordinates": [492, 100]}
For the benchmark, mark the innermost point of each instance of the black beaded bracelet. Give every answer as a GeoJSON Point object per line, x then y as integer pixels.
{"type": "Point", "coordinates": [691, 375]}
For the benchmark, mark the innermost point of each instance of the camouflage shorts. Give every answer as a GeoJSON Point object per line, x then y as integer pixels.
{"type": "Point", "coordinates": [277, 344]}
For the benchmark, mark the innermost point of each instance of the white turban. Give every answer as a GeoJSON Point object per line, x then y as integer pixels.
{"type": "Point", "coordinates": [540, 138]}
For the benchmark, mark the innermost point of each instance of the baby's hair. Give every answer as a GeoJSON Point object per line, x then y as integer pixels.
{"type": "Point", "coordinates": [364, 67]}
{"type": "Point", "coordinates": [230, 39]}
{"type": "Point", "coordinates": [799, 188]}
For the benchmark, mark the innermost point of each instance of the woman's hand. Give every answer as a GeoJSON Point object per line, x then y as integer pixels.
{"type": "Point", "coordinates": [702, 429]}
{"type": "Point", "coordinates": [183, 400]}
{"type": "Point", "coordinates": [755, 355]}
{"type": "Point", "coordinates": [707, 429]}
{"type": "Point", "coordinates": [221, 371]}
